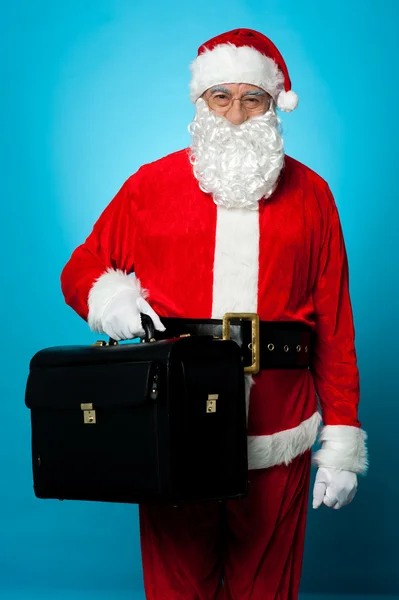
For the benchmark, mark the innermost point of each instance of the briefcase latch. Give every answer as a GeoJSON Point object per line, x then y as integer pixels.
{"type": "Point", "coordinates": [211, 403]}
{"type": "Point", "coordinates": [89, 414]}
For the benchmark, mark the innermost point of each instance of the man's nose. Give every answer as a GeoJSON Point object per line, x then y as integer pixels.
{"type": "Point", "coordinates": [236, 113]}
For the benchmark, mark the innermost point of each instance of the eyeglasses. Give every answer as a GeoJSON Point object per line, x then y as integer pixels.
{"type": "Point", "coordinates": [250, 102]}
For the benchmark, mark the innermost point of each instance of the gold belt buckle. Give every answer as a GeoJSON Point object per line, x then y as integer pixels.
{"type": "Point", "coordinates": [255, 343]}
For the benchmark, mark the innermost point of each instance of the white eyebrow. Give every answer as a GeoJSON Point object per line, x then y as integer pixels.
{"type": "Point", "coordinates": [255, 93]}
{"type": "Point", "coordinates": [220, 88]}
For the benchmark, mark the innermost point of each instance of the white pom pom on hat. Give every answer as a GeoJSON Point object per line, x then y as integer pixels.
{"type": "Point", "coordinates": [243, 56]}
{"type": "Point", "coordinates": [287, 101]}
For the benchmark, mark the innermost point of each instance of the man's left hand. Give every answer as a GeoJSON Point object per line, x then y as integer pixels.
{"type": "Point", "coordinates": [334, 487]}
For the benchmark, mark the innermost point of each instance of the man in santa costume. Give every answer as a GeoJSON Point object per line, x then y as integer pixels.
{"type": "Point", "coordinates": [232, 224]}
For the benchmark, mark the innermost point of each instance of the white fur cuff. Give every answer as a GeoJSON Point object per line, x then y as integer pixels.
{"type": "Point", "coordinates": [104, 289]}
{"type": "Point", "coordinates": [343, 447]}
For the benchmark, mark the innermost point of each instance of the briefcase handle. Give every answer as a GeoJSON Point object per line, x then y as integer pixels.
{"type": "Point", "coordinates": [149, 330]}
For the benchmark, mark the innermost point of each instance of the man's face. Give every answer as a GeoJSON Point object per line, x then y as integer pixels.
{"type": "Point", "coordinates": [237, 102]}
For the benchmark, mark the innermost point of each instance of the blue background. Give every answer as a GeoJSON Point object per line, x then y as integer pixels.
{"type": "Point", "coordinates": [89, 91]}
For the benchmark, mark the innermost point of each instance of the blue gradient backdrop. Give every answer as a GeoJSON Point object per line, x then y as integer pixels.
{"type": "Point", "coordinates": [89, 91]}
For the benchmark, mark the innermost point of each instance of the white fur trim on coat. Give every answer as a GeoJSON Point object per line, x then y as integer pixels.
{"type": "Point", "coordinates": [236, 261]}
{"type": "Point", "coordinates": [249, 382]}
{"type": "Point", "coordinates": [227, 63]}
{"type": "Point", "coordinates": [104, 289]}
{"type": "Point", "coordinates": [281, 448]}
{"type": "Point", "coordinates": [343, 447]}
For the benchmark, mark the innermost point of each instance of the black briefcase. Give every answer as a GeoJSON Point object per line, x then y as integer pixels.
{"type": "Point", "coordinates": [162, 421]}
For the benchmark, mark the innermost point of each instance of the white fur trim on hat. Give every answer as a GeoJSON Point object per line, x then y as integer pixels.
{"type": "Point", "coordinates": [227, 63]}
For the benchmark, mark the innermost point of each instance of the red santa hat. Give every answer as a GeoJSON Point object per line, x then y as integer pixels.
{"type": "Point", "coordinates": [243, 56]}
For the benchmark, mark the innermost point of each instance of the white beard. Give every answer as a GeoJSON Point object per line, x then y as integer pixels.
{"type": "Point", "coordinates": [238, 164]}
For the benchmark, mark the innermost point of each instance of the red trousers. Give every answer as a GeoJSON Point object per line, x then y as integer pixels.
{"type": "Point", "coordinates": [235, 550]}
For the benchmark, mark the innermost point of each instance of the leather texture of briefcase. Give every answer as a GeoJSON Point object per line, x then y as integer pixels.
{"type": "Point", "coordinates": [139, 422]}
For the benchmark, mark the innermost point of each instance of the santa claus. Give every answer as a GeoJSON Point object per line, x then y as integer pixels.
{"type": "Point", "coordinates": [233, 224]}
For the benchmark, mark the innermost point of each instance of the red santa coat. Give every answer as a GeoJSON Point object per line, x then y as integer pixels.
{"type": "Point", "coordinates": [286, 261]}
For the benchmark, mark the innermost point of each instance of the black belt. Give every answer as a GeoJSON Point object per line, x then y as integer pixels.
{"type": "Point", "coordinates": [264, 344]}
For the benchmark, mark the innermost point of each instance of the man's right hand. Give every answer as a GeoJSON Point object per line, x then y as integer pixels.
{"type": "Point", "coordinates": [121, 317]}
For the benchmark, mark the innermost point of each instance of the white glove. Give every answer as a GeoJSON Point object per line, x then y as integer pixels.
{"type": "Point", "coordinates": [121, 317]}
{"type": "Point", "coordinates": [334, 487]}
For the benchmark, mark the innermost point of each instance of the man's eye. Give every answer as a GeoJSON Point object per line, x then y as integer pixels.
{"type": "Point", "coordinates": [253, 100]}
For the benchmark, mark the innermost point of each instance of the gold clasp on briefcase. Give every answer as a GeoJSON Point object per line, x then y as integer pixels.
{"type": "Point", "coordinates": [211, 403]}
{"type": "Point", "coordinates": [89, 414]}
{"type": "Point", "coordinates": [254, 346]}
